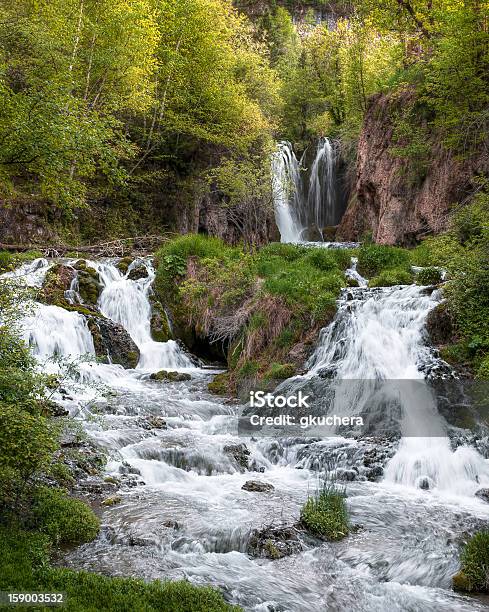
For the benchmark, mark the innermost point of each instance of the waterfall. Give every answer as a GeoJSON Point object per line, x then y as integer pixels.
{"type": "Point", "coordinates": [287, 192]}
{"type": "Point", "coordinates": [52, 331]}
{"type": "Point", "coordinates": [304, 203]}
{"type": "Point", "coordinates": [377, 342]}
{"type": "Point", "coordinates": [126, 301]}
{"type": "Point", "coordinates": [321, 199]}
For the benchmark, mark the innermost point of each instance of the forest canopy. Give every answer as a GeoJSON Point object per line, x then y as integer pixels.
{"type": "Point", "coordinates": [104, 101]}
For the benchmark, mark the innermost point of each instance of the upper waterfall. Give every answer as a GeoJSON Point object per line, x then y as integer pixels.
{"type": "Point", "coordinates": [306, 201]}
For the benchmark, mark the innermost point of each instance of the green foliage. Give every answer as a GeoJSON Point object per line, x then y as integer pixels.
{"type": "Point", "coordinates": [375, 258]}
{"type": "Point", "coordinates": [474, 562]}
{"type": "Point", "coordinates": [391, 277]}
{"type": "Point", "coordinates": [429, 276]}
{"type": "Point", "coordinates": [325, 514]}
{"type": "Point", "coordinates": [280, 371]}
{"type": "Point", "coordinates": [64, 519]}
{"type": "Point", "coordinates": [24, 565]}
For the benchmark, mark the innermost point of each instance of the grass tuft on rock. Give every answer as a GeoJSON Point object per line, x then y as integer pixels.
{"type": "Point", "coordinates": [325, 514]}
{"type": "Point", "coordinates": [474, 560]}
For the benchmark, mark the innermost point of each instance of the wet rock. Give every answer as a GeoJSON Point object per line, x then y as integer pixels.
{"type": "Point", "coordinates": [170, 376]}
{"type": "Point", "coordinates": [89, 285]}
{"type": "Point", "coordinates": [160, 326]}
{"type": "Point", "coordinates": [439, 325]}
{"type": "Point", "coordinates": [257, 486]}
{"type": "Point", "coordinates": [346, 475]}
{"type": "Point", "coordinates": [240, 454]}
{"type": "Point", "coordinates": [424, 483]}
{"type": "Point", "coordinates": [123, 264]}
{"type": "Point", "coordinates": [127, 468]}
{"type": "Point", "coordinates": [112, 501]}
{"type": "Point", "coordinates": [483, 494]}
{"type": "Point", "coordinates": [112, 341]}
{"type": "Point", "coordinates": [58, 279]}
{"type": "Point", "coordinates": [374, 473]}
{"type": "Point", "coordinates": [138, 271]}
{"type": "Point", "coordinates": [152, 422]}
{"type": "Point", "coordinates": [274, 542]}
{"type": "Point", "coordinates": [171, 524]}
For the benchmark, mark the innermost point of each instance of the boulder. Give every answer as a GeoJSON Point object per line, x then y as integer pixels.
{"type": "Point", "coordinates": [439, 325]}
{"type": "Point", "coordinates": [274, 542]}
{"type": "Point", "coordinates": [483, 494]}
{"type": "Point", "coordinates": [170, 376]}
{"type": "Point", "coordinates": [112, 342]}
{"type": "Point", "coordinates": [257, 486]}
{"type": "Point", "coordinates": [138, 271]}
{"type": "Point", "coordinates": [123, 264]}
{"type": "Point", "coordinates": [89, 285]}
{"type": "Point", "coordinates": [160, 328]}
{"type": "Point", "coordinates": [239, 453]}
{"type": "Point", "coordinates": [58, 279]}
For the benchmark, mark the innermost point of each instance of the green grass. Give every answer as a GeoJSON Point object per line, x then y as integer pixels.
{"type": "Point", "coordinates": [391, 277]}
{"type": "Point", "coordinates": [325, 514]}
{"type": "Point", "coordinates": [474, 561]}
{"type": "Point", "coordinates": [24, 565]}
{"type": "Point", "coordinates": [376, 258]}
{"type": "Point", "coordinates": [428, 276]}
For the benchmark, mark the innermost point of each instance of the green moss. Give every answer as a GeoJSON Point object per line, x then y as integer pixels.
{"type": "Point", "coordinates": [389, 278]}
{"type": "Point", "coordinates": [123, 264]}
{"type": "Point", "coordinates": [474, 560]}
{"type": "Point", "coordinates": [219, 384]}
{"type": "Point", "coordinates": [112, 501]}
{"type": "Point", "coordinates": [170, 376]}
{"type": "Point", "coordinates": [325, 514]}
{"type": "Point", "coordinates": [278, 371]}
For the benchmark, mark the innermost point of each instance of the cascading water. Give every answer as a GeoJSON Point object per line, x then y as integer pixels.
{"type": "Point", "coordinates": [304, 201]}
{"type": "Point", "coordinates": [126, 301]}
{"type": "Point", "coordinates": [183, 512]}
{"type": "Point", "coordinates": [321, 199]}
{"type": "Point", "coordinates": [287, 192]}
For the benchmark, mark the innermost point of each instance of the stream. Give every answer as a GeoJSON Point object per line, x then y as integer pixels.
{"type": "Point", "coordinates": [183, 512]}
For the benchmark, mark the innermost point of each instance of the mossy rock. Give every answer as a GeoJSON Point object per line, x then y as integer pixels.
{"type": "Point", "coordinates": [220, 384]}
{"type": "Point", "coordinates": [58, 279]}
{"type": "Point", "coordinates": [352, 282]}
{"type": "Point", "coordinates": [123, 264]}
{"type": "Point", "coordinates": [170, 376]}
{"type": "Point", "coordinates": [89, 285]}
{"type": "Point", "coordinates": [160, 328]}
{"type": "Point", "coordinates": [278, 371]}
{"type": "Point", "coordinates": [461, 582]}
{"type": "Point", "coordinates": [138, 271]}
{"type": "Point", "coordinates": [112, 501]}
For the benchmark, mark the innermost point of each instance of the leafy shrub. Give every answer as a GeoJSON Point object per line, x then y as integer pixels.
{"type": "Point", "coordinates": [483, 369]}
{"type": "Point", "coordinates": [328, 259]}
{"type": "Point", "coordinates": [474, 560]}
{"type": "Point", "coordinates": [325, 514]}
{"type": "Point", "coordinates": [389, 278]}
{"type": "Point", "coordinates": [429, 276]}
{"type": "Point", "coordinates": [374, 258]}
{"type": "Point", "coordinates": [27, 442]}
{"type": "Point", "coordinates": [64, 519]}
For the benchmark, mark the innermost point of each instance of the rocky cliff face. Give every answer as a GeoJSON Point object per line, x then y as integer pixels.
{"type": "Point", "coordinates": [385, 201]}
